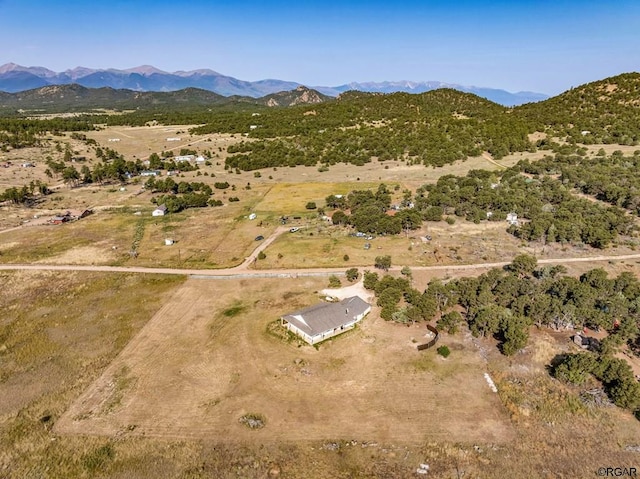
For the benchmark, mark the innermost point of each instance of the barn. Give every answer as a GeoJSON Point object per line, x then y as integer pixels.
{"type": "Point", "coordinates": [325, 320]}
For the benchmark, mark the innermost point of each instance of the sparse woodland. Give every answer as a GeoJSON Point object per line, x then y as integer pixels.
{"type": "Point", "coordinates": [506, 303]}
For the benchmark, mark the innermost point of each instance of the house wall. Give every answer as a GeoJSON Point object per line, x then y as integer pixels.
{"type": "Point", "coordinates": [297, 331]}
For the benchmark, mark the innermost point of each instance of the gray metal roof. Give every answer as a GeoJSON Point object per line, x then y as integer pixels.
{"type": "Point", "coordinates": [323, 317]}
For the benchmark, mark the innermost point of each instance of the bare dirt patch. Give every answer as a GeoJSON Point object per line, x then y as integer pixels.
{"type": "Point", "coordinates": [356, 289]}
{"type": "Point", "coordinates": [84, 255]}
{"type": "Point", "coordinates": [195, 371]}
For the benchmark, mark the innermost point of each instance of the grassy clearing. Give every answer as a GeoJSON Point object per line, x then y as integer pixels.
{"type": "Point", "coordinates": [291, 198]}
{"type": "Point", "coordinates": [322, 245]}
{"type": "Point", "coordinates": [53, 343]}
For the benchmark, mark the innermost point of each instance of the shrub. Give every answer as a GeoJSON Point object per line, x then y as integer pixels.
{"type": "Point", "coordinates": [261, 255]}
{"type": "Point", "coordinates": [334, 281]}
{"type": "Point", "coordinates": [352, 274]}
{"type": "Point", "coordinates": [383, 262]}
{"type": "Point", "coordinates": [311, 205]}
{"type": "Point", "coordinates": [370, 280]}
{"type": "Point", "coordinates": [443, 351]}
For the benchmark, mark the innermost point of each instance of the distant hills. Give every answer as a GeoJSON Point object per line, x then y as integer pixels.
{"type": "Point", "coordinates": [16, 78]}
{"type": "Point", "coordinates": [75, 97]}
{"type": "Point", "coordinates": [502, 97]}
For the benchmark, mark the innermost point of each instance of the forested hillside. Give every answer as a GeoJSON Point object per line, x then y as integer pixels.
{"type": "Point", "coordinates": [432, 128]}
{"type": "Point", "coordinates": [606, 111]}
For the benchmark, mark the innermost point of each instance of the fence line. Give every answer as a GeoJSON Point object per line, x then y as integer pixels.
{"type": "Point", "coordinates": [430, 344]}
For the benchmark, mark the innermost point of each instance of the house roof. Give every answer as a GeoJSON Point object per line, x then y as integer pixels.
{"type": "Point", "coordinates": [324, 317]}
{"type": "Point", "coordinates": [161, 208]}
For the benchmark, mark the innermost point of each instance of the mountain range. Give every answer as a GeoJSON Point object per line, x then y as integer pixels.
{"type": "Point", "coordinates": [16, 78]}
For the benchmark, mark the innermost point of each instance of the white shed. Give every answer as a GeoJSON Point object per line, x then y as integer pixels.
{"type": "Point", "coordinates": [159, 211]}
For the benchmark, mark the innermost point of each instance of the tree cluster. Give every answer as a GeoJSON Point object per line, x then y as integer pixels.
{"type": "Point", "coordinates": [18, 132]}
{"type": "Point", "coordinates": [369, 212]}
{"type": "Point", "coordinates": [615, 375]}
{"type": "Point", "coordinates": [25, 195]}
{"type": "Point", "coordinates": [611, 178]}
{"type": "Point", "coordinates": [504, 303]}
{"type": "Point", "coordinates": [552, 212]}
{"type": "Point", "coordinates": [182, 195]}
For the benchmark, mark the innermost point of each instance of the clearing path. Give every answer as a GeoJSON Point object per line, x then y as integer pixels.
{"type": "Point", "coordinates": [487, 156]}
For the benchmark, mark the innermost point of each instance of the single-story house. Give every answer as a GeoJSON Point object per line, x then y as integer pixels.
{"type": "Point", "coordinates": [150, 173]}
{"type": "Point", "coordinates": [159, 211]}
{"type": "Point", "coordinates": [183, 158]}
{"type": "Point", "coordinates": [324, 320]}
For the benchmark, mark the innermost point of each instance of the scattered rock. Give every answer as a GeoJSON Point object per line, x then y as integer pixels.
{"type": "Point", "coordinates": [331, 446]}
{"type": "Point", "coordinates": [274, 471]}
{"type": "Point", "coordinates": [253, 421]}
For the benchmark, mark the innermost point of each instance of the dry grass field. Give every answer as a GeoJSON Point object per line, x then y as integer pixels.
{"type": "Point", "coordinates": [137, 376]}
{"type": "Point", "coordinates": [206, 359]}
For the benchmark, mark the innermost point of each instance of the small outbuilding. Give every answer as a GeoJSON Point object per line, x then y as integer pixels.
{"type": "Point", "coordinates": [325, 320]}
{"type": "Point", "coordinates": [159, 211]}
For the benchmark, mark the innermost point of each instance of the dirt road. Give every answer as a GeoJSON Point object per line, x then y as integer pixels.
{"type": "Point", "coordinates": [242, 271]}
{"type": "Point", "coordinates": [249, 260]}
{"type": "Point", "coordinates": [490, 159]}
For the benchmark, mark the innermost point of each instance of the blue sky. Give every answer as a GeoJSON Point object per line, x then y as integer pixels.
{"type": "Point", "coordinates": [546, 46]}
